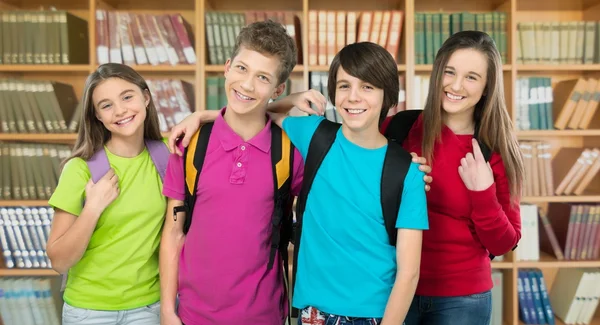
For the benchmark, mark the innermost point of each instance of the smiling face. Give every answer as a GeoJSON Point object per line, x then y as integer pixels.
{"type": "Point", "coordinates": [464, 81]}
{"type": "Point", "coordinates": [358, 102]}
{"type": "Point", "coordinates": [120, 106]}
{"type": "Point", "coordinates": [251, 79]}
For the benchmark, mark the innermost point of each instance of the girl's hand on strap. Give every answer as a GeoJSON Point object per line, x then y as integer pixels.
{"type": "Point", "coordinates": [475, 172]}
{"type": "Point", "coordinates": [102, 193]}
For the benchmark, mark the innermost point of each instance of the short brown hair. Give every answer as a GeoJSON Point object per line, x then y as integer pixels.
{"type": "Point", "coordinates": [270, 38]}
{"type": "Point", "coordinates": [371, 63]}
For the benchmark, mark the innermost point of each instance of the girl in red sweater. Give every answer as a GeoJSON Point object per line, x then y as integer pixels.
{"type": "Point", "coordinates": [473, 205]}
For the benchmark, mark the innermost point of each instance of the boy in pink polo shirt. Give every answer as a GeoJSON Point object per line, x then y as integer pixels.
{"type": "Point", "coordinates": [219, 268]}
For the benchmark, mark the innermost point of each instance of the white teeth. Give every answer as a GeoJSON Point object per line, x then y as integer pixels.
{"type": "Point", "coordinates": [125, 120]}
{"type": "Point", "coordinates": [356, 111]}
{"type": "Point", "coordinates": [243, 97]}
{"type": "Point", "coordinates": [454, 97]}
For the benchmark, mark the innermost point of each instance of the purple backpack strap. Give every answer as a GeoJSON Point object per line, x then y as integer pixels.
{"type": "Point", "coordinates": [159, 153]}
{"type": "Point", "coordinates": [98, 165]}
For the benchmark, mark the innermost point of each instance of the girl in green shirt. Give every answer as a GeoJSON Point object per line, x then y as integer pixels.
{"type": "Point", "coordinates": [106, 234]}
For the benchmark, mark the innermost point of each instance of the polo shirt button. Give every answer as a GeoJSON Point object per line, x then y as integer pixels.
{"type": "Point", "coordinates": [243, 148]}
{"type": "Point", "coordinates": [239, 164]}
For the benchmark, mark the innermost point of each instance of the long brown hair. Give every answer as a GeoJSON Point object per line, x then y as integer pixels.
{"type": "Point", "coordinates": [92, 134]}
{"type": "Point", "coordinates": [495, 128]}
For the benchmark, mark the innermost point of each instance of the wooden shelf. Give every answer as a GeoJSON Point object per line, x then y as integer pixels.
{"type": "Point", "coordinates": [24, 203]}
{"type": "Point", "coordinates": [325, 68]}
{"type": "Point", "coordinates": [221, 68]}
{"type": "Point", "coordinates": [566, 198]}
{"type": "Point", "coordinates": [549, 261]}
{"type": "Point", "coordinates": [165, 68]}
{"type": "Point", "coordinates": [558, 133]}
{"type": "Point", "coordinates": [45, 137]}
{"type": "Point", "coordinates": [28, 272]}
{"type": "Point", "coordinates": [429, 67]}
{"type": "Point", "coordinates": [558, 67]}
{"type": "Point", "coordinates": [45, 68]}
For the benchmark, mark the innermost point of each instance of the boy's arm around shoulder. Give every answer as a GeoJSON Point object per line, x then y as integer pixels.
{"type": "Point", "coordinates": [412, 220]}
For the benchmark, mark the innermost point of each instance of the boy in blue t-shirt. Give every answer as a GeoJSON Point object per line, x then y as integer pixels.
{"type": "Point", "coordinates": [346, 266]}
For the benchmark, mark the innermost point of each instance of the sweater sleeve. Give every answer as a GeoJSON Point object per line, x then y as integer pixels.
{"type": "Point", "coordinates": [497, 221]}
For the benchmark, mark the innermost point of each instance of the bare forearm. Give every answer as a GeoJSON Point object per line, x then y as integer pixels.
{"type": "Point", "coordinates": [170, 249]}
{"type": "Point", "coordinates": [68, 249]}
{"type": "Point", "coordinates": [400, 298]}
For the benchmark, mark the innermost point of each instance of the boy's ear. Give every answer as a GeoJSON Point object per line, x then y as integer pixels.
{"type": "Point", "coordinates": [278, 91]}
{"type": "Point", "coordinates": [227, 67]}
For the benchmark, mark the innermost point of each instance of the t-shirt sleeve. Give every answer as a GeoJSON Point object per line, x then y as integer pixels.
{"type": "Point", "coordinates": [300, 129]}
{"type": "Point", "coordinates": [413, 207]}
{"type": "Point", "coordinates": [70, 191]}
{"type": "Point", "coordinates": [173, 186]}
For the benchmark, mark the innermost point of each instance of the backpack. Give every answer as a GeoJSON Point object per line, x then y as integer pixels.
{"type": "Point", "coordinates": [282, 162]}
{"type": "Point", "coordinates": [99, 165]}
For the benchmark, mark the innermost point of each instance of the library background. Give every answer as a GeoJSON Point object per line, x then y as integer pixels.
{"type": "Point", "coordinates": [551, 55]}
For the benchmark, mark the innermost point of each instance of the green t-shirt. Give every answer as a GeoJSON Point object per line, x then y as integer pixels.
{"type": "Point", "coordinates": [119, 269]}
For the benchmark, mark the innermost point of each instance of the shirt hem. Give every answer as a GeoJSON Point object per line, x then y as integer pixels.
{"type": "Point", "coordinates": [173, 194]}
{"type": "Point", "coordinates": [463, 284]}
{"type": "Point", "coordinates": [111, 308]}
{"type": "Point", "coordinates": [352, 312]}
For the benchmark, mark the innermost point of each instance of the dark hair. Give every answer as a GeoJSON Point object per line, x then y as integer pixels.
{"type": "Point", "coordinates": [92, 134]}
{"type": "Point", "coordinates": [271, 38]}
{"type": "Point", "coordinates": [371, 63]}
{"type": "Point", "coordinates": [495, 126]}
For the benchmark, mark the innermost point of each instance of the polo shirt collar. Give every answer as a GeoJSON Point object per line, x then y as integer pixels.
{"type": "Point", "coordinates": [231, 140]}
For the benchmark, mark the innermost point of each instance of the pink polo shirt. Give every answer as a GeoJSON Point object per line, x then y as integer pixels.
{"type": "Point", "coordinates": [223, 276]}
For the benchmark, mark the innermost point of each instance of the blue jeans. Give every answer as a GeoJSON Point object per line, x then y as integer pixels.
{"type": "Point", "coordinates": [147, 315]}
{"type": "Point", "coordinates": [313, 316]}
{"type": "Point", "coordinates": [475, 309]}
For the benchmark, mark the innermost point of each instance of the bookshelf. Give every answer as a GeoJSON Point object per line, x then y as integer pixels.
{"type": "Point", "coordinates": [193, 12]}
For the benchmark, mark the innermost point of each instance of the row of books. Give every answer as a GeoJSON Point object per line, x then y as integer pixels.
{"type": "Point", "coordinates": [318, 81]}
{"type": "Point", "coordinates": [535, 304]}
{"type": "Point", "coordinates": [174, 101]}
{"type": "Point", "coordinates": [135, 38]}
{"type": "Point", "coordinates": [571, 231]}
{"type": "Point", "coordinates": [534, 103]}
{"type": "Point", "coordinates": [24, 233]}
{"type": "Point", "coordinates": [574, 295]}
{"type": "Point", "coordinates": [27, 301]}
{"type": "Point", "coordinates": [222, 29]}
{"type": "Point", "coordinates": [432, 29]}
{"type": "Point", "coordinates": [579, 99]}
{"type": "Point", "coordinates": [30, 171]}
{"type": "Point", "coordinates": [537, 160]}
{"type": "Point", "coordinates": [581, 172]}
{"type": "Point", "coordinates": [566, 42]}
{"type": "Point", "coordinates": [43, 37]}
{"type": "Point", "coordinates": [37, 107]}
{"type": "Point", "coordinates": [329, 31]}
{"type": "Point", "coordinates": [52, 107]}
{"type": "Point", "coordinates": [528, 248]}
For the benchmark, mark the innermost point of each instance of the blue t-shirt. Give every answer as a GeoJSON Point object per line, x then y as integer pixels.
{"type": "Point", "coordinates": [346, 265]}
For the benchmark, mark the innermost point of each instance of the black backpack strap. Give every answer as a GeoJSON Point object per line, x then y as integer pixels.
{"type": "Point", "coordinates": [400, 124]}
{"type": "Point", "coordinates": [395, 168]}
{"type": "Point", "coordinates": [193, 160]}
{"type": "Point", "coordinates": [320, 144]}
{"type": "Point", "coordinates": [281, 148]}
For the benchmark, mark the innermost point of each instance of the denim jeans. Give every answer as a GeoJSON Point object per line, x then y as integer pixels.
{"type": "Point", "coordinates": [475, 309]}
{"type": "Point", "coordinates": [147, 315]}
{"type": "Point", "coordinates": [313, 316]}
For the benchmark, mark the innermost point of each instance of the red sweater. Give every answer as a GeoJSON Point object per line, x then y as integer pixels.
{"type": "Point", "coordinates": [464, 225]}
